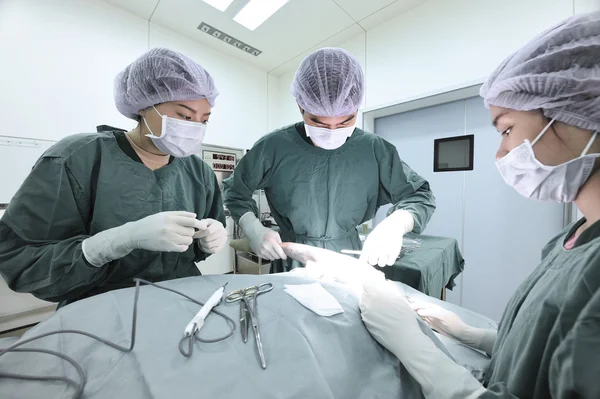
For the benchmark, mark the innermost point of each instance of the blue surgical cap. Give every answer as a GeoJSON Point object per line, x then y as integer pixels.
{"type": "Point", "coordinates": [159, 76]}
{"type": "Point", "coordinates": [557, 72]}
{"type": "Point", "coordinates": [329, 82]}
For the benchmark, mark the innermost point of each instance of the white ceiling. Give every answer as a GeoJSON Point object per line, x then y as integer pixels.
{"type": "Point", "coordinates": [297, 28]}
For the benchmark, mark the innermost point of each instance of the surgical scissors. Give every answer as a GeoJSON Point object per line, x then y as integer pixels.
{"type": "Point", "coordinates": [247, 311]}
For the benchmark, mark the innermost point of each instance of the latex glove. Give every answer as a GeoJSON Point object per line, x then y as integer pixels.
{"type": "Point", "coordinates": [393, 323]}
{"type": "Point", "coordinates": [162, 232]}
{"type": "Point", "coordinates": [265, 243]}
{"type": "Point", "coordinates": [345, 270]}
{"type": "Point", "coordinates": [384, 244]}
{"type": "Point", "coordinates": [441, 320]}
{"type": "Point", "coordinates": [212, 237]}
{"type": "Point", "coordinates": [326, 265]}
{"type": "Point", "coordinates": [448, 323]}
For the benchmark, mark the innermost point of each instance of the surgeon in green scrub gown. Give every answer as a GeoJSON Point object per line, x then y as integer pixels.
{"type": "Point", "coordinates": [100, 209]}
{"type": "Point", "coordinates": [545, 103]}
{"type": "Point", "coordinates": [323, 176]}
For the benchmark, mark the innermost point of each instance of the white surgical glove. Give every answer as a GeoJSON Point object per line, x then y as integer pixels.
{"type": "Point", "coordinates": [384, 244]}
{"type": "Point", "coordinates": [212, 236]}
{"type": "Point", "coordinates": [162, 232]}
{"type": "Point", "coordinates": [448, 323]}
{"type": "Point", "coordinates": [345, 270]}
{"type": "Point", "coordinates": [265, 243]}
{"type": "Point", "coordinates": [393, 323]}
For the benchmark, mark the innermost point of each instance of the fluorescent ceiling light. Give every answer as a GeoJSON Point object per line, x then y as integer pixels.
{"type": "Point", "coordinates": [258, 11]}
{"type": "Point", "coordinates": [220, 5]}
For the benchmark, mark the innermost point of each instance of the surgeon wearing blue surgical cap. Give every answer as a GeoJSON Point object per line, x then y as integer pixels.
{"type": "Point", "coordinates": [324, 176]}
{"type": "Point", "coordinates": [99, 209]}
{"type": "Point", "coordinates": [545, 105]}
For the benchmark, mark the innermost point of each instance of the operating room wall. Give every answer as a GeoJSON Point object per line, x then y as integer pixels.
{"type": "Point", "coordinates": [287, 110]}
{"type": "Point", "coordinates": [441, 45]}
{"type": "Point", "coordinates": [444, 44]}
{"type": "Point", "coordinates": [581, 6]}
{"type": "Point", "coordinates": [60, 58]}
{"type": "Point", "coordinates": [273, 105]}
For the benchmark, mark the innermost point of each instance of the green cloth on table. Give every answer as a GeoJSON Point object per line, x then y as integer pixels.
{"type": "Point", "coordinates": [429, 268]}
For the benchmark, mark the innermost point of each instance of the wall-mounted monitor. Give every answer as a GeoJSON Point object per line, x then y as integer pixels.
{"type": "Point", "coordinates": [453, 154]}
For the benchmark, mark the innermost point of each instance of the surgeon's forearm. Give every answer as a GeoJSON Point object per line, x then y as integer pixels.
{"type": "Point", "coordinates": [53, 272]}
{"type": "Point", "coordinates": [106, 246]}
{"type": "Point", "coordinates": [439, 376]}
{"type": "Point", "coordinates": [249, 222]}
{"type": "Point", "coordinates": [237, 197]}
{"type": "Point", "coordinates": [394, 324]}
{"type": "Point", "coordinates": [421, 204]}
{"type": "Point", "coordinates": [403, 219]}
{"type": "Point", "coordinates": [480, 338]}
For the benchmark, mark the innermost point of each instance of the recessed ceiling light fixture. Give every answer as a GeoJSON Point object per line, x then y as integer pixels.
{"type": "Point", "coordinates": [220, 5]}
{"type": "Point", "coordinates": [258, 11]}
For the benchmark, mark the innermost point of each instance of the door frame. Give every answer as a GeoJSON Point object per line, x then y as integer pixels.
{"type": "Point", "coordinates": [425, 100]}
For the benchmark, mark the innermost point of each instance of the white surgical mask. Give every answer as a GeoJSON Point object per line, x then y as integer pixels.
{"type": "Point", "coordinates": [530, 178]}
{"type": "Point", "coordinates": [179, 138]}
{"type": "Point", "coordinates": [328, 139]}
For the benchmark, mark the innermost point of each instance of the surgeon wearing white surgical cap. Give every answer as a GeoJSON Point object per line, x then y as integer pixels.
{"type": "Point", "coordinates": [99, 209]}
{"type": "Point", "coordinates": [545, 104]}
{"type": "Point", "coordinates": [324, 176]}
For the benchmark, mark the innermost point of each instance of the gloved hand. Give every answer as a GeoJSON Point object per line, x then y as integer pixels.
{"type": "Point", "coordinates": [212, 237]}
{"type": "Point", "coordinates": [384, 244]}
{"type": "Point", "coordinates": [162, 232]}
{"type": "Point", "coordinates": [264, 242]}
{"type": "Point", "coordinates": [345, 270]}
{"type": "Point", "coordinates": [448, 323]}
{"type": "Point", "coordinates": [441, 320]}
{"type": "Point", "coordinates": [393, 323]}
{"type": "Point", "coordinates": [323, 264]}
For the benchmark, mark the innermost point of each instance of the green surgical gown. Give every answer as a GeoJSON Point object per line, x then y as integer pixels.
{"type": "Point", "coordinates": [86, 184]}
{"type": "Point", "coordinates": [318, 196]}
{"type": "Point", "coordinates": [548, 343]}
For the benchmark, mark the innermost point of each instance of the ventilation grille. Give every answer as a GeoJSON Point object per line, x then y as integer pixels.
{"type": "Point", "coordinates": [224, 37]}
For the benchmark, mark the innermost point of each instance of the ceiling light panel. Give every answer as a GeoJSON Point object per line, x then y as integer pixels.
{"type": "Point", "coordinates": [220, 5]}
{"type": "Point", "coordinates": [258, 11]}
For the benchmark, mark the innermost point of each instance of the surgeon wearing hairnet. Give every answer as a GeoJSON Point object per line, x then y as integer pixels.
{"type": "Point", "coordinates": [545, 103]}
{"type": "Point", "coordinates": [99, 209]}
{"type": "Point", "coordinates": [324, 176]}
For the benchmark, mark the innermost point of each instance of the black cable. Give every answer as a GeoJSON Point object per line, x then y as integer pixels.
{"type": "Point", "coordinates": [77, 386]}
{"type": "Point", "coordinates": [82, 377]}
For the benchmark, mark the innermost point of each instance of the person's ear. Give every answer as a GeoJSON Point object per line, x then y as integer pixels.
{"type": "Point", "coordinates": [143, 113]}
{"type": "Point", "coordinates": [301, 110]}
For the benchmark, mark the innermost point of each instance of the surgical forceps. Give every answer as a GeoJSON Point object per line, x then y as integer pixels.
{"type": "Point", "coordinates": [248, 313]}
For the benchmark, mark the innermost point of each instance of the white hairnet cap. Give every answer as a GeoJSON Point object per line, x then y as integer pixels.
{"type": "Point", "coordinates": [159, 76]}
{"type": "Point", "coordinates": [329, 82]}
{"type": "Point", "coordinates": [557, 72]}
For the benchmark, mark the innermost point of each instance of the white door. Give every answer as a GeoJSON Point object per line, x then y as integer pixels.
{"type": "Point", "coordinates": [500, 233]}
{"type": "Point", "coordinates": [413, 134]}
